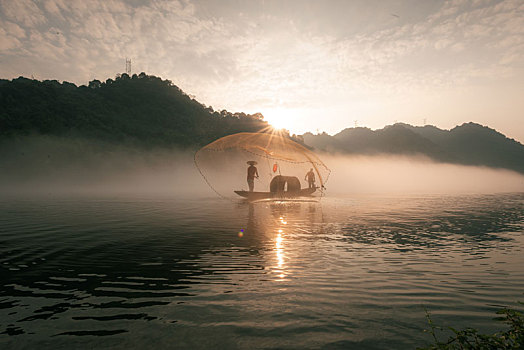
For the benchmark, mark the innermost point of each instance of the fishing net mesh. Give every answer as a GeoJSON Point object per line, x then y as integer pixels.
{"type": "Point", "coordinates": [224, 162]}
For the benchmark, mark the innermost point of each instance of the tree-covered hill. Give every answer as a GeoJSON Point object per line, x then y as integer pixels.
{"type": "Point", "coordinates": [468, 144]}
{"type": "Point", "coordinates": [141, 110]}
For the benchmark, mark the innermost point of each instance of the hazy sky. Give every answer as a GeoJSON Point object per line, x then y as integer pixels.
{"type": "Point", "coordinates": [306, 65]}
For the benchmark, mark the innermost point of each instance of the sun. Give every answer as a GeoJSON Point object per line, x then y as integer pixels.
{"type": "Point", "coordinates": [281, 119]}
{"type": "Point", "coordinates": [278, 121]}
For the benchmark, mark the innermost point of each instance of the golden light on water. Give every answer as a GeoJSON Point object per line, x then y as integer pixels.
{"type": "Point", "coordinates": [280, 254]}
{"type": "Point", "coordinates": [279, 249]}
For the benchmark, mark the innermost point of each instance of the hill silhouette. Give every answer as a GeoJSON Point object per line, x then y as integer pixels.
{"type": "Point", "coordinates": [147, 112]}
{"type": "Point", "coordinates": [467, 144]}
{"type": "Point", "coordinates": [142, 110]}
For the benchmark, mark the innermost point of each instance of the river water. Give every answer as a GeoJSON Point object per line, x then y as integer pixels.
{"type": "Point", "coordinates": [342, 273]}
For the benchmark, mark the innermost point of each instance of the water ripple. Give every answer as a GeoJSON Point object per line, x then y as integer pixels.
{"type": "Point", "coordinates": [346, 272]}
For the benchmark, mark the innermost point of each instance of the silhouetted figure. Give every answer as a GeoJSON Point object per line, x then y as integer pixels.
{"type": "Point", "coordinates": [252, 172]}
{"type": "Point", "coordinates": [310, 178]}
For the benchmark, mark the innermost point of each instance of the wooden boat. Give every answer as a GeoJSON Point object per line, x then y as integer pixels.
{"type": "Point", "coordinates": [254, 196]}
{"type": "Point", "coordinates": [280, 187]}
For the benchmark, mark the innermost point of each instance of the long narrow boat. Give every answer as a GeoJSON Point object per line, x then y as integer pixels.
{"type": "Point", "coordinates": [254, 196]}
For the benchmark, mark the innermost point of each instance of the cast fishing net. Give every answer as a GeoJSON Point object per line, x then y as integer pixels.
{"type": "Point", "coordinates": [224, 162]}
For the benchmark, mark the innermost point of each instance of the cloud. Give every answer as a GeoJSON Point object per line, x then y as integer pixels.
{"type": "Point", "coordinates": [23, 12]}
{"type": "Point", "coordinates": [96, 36]}
{"type": "Point", "coordinates": [271, 49]}
{"type": "Point", "coordinates": [14, 30]}
{"type": "Point", "coordinates": [8, 42]}
{"type": "Point", "coordinates": [53, 8]}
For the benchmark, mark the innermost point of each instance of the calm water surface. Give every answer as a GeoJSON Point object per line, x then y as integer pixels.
{"type": "Point", "coordinates": [207, 273]}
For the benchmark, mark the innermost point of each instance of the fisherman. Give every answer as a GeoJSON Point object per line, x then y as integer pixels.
{"type": "Point", "coordinates": [252, 172]}
{"type": "Point", "coordinates": [310, 178]}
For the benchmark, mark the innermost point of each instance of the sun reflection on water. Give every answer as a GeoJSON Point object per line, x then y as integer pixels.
{"type": "Point", "coordinates": [279, 249]}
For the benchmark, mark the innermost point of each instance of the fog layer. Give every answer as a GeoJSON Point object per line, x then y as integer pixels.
{"type": "Point", "coordinates": [387, 174]}
{"type": "Point", "coordinates": [44, 165]}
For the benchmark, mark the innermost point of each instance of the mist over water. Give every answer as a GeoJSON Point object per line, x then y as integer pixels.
{"type": "Point", "coordinates": [50, 165]}
{"type": "Point", "coordinates": [47, 165]}
{"type": "Point", "coordinates": [395, 175]}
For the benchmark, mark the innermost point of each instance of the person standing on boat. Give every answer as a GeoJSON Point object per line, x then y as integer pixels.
{"type": "Point", "coordinates": [252, 172]}
{"type": "Point", "coordinates": [310, 178]}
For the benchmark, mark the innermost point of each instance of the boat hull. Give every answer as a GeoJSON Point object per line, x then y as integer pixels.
{"type": "Point", "coordinates": [253, 196]}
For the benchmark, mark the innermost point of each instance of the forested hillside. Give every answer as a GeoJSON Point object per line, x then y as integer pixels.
{"type": "Point", "coordinates": [142, 110]}
{"type": "Point", "coordinates": [468, 144]}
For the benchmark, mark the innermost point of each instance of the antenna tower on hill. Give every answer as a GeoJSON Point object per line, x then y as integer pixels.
{"type": "Point", "coordinates": [128, 66]}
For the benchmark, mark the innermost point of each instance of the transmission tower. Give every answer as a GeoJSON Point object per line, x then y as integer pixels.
{"type": "Point", "coordinates": [128, 66]}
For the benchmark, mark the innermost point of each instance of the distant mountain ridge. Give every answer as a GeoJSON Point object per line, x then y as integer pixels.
{"type": "Point", "coordinates": [148, 112]}
{"type": "Point", "coordinates": [468, 144]}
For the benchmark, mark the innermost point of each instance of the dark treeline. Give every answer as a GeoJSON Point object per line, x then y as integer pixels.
{"type": "Point", "coordinates": [467, 144]}
{"type": "Point", "coordinates": [141, 110]}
